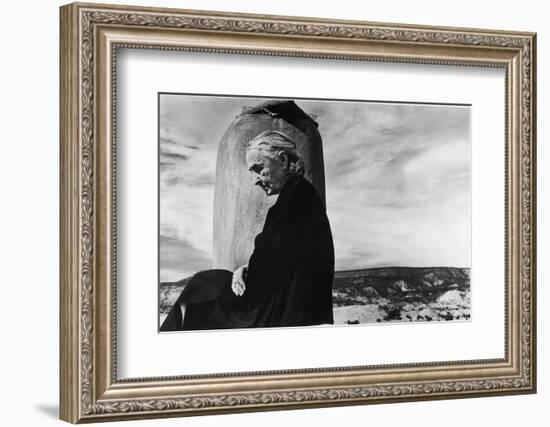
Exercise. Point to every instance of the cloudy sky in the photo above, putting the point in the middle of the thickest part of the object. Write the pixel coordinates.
(397, 180)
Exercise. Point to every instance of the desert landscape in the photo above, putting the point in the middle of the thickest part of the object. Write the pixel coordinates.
(380, 295)
(401, 294)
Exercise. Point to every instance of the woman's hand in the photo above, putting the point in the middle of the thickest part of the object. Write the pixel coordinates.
(238, 285)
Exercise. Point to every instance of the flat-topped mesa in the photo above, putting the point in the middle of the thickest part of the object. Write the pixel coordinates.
(402, 279)
(239, 206)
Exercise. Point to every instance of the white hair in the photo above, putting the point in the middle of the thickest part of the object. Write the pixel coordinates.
(274, 143)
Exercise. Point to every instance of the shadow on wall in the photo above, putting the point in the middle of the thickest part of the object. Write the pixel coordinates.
(50, 410)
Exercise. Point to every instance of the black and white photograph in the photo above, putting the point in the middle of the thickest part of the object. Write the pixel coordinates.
(277, 212)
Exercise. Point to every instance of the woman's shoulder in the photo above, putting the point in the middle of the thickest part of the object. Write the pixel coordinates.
(304, 196)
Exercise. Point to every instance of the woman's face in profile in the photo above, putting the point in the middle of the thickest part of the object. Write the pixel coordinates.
(268, 173)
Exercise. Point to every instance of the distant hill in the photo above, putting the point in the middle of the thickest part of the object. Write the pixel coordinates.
(169, 293)
(384, 294)
(397, 283)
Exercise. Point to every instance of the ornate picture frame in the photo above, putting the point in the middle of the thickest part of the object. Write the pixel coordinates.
(91, 36)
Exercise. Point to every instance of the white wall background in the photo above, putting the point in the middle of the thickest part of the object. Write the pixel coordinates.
(29, 171)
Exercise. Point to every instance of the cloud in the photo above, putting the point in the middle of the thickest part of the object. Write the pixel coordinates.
(179, 259)
(167, 156)
(190, 130)
(397, 182)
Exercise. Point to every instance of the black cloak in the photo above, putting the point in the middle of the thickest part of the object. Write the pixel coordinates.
(289, 276)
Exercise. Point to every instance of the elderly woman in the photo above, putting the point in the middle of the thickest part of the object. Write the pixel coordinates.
(288, 279)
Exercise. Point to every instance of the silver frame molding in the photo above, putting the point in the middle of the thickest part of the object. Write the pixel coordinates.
(90, 37)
